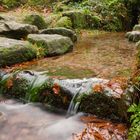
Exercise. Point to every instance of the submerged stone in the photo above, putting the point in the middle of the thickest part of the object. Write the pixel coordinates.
(15, 51)
(16, 30)
(52, 44)
(61, 31)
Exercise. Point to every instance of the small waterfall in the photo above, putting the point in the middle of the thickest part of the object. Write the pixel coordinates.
(73, 107)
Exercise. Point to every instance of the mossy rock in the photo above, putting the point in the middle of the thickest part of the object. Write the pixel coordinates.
(29, 86)
(38, 87)
(61, 31)
(52, 44)
(81, 19)
(16, 30)
(15, 51)
(37, 20)
(104, 106)
(136, 27)
(138, 54)
(52, 19)
(64, 22)
(133, 36)
(77, 17)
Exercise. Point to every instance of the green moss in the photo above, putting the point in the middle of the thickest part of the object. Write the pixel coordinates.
(36, 20)
(64, 22)
(69, 72)
(52, 19)
(13, 3)
(103, 106)
(77, 17)
(16, 54)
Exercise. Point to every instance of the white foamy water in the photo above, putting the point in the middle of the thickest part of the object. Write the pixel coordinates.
(33, 122)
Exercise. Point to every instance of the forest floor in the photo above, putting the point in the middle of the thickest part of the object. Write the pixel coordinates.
(96, 54)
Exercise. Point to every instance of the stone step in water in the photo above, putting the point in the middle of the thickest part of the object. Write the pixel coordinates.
(96, 96)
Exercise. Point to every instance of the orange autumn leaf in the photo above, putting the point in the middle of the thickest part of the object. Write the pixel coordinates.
(9, 83)
(56, 89)
(98, 88)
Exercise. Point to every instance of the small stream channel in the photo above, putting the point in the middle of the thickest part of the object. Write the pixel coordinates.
(97, 54)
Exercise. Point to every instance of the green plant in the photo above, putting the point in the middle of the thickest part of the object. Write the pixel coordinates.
(134, 131)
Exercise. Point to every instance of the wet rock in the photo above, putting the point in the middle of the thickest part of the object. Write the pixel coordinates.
(61, 31)
(15, 51)
(96, 96)
(52, 44)
(136, 27)
(37, 20)
(16, 30)
(133, 36)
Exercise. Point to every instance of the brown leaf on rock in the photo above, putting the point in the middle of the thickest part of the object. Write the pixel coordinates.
(9, 83)
(56, 89)
(98, 88)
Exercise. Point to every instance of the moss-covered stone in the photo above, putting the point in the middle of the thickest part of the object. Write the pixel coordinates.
(61, 31)
(31, 86)
(81, 19)
(104, 106)
(77, 17)
(136, 27)
(15, 51)
(64, 22)
(16, 30)
(92, 98)
(133, 36)
(36, 20)
(52, 19)
(52, 44)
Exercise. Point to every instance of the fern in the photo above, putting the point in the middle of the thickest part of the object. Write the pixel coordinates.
(134, 131)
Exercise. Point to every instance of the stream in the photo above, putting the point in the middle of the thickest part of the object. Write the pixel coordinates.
(97, 54)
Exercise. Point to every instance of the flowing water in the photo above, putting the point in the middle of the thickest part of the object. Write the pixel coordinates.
(100, 54)
(96, 54)
(33, 122)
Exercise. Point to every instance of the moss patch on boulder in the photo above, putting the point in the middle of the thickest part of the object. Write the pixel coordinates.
(64, 22)
(61, 31)
(15, 51)
(36, 20)
(52, 44)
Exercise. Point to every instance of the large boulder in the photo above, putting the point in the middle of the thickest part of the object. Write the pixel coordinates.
(37, 20)
(100, 97)
(16, 30)
(15, 51)
(61, 31)
(52, 44)
(133, 36)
